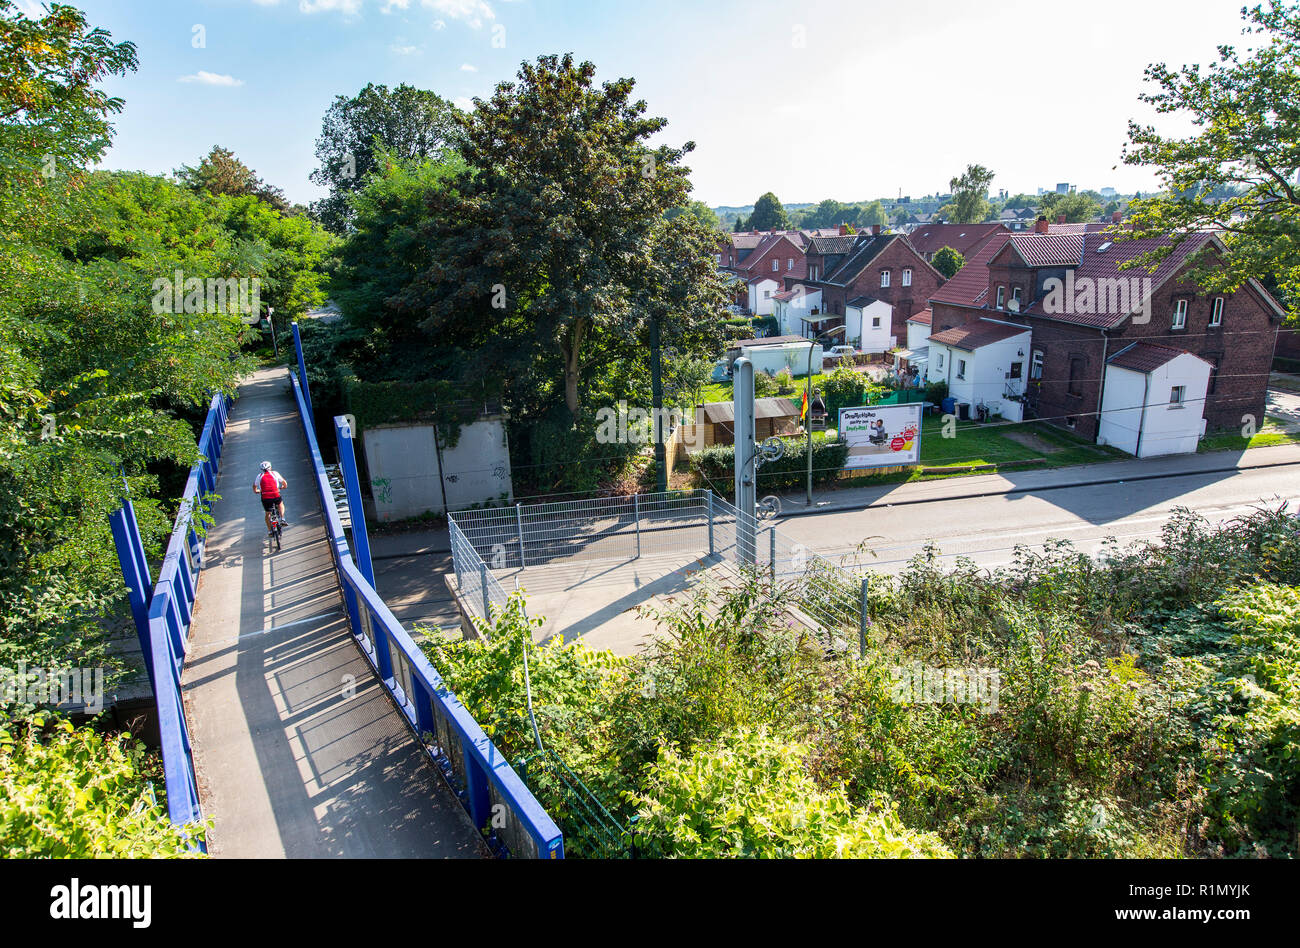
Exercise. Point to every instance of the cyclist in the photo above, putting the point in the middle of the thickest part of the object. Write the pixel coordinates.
(268, 486)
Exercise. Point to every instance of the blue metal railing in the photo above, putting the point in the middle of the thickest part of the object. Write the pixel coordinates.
(163, 610)
(477, 771)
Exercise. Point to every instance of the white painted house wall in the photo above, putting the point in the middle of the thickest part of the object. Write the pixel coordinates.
(760, 296)
(918, 336)
(861, 332)
(1137, 416)
(986, 370)
(790, 313)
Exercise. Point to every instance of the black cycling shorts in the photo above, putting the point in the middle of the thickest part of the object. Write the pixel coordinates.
(271, 503)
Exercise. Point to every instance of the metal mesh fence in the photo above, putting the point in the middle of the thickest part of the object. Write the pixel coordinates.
(628, 528)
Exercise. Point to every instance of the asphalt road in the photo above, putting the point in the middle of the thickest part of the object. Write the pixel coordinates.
(987, 529)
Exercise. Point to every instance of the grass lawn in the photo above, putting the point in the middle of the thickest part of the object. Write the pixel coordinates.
(1233, 440)
(721, 391)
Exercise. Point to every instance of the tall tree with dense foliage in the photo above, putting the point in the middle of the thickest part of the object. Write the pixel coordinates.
(970, 191)
(700, 211)
(769, 214)
(1076, 208)
(404, 123)
(543, 247)
(1246, 140)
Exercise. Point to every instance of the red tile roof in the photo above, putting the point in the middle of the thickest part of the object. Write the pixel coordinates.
(1146, 357)
(966, 239)
(970, 284)
(923, 318)
(976, 335)
(1049, 250)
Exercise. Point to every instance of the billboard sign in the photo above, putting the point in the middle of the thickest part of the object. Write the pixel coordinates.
(884, 436)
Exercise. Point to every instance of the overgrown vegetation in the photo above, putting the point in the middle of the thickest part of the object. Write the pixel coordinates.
(72, 793)
(1148, 705)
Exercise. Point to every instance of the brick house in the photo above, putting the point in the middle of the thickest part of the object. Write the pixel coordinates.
(762, 262)
(1086, 315)
(849, 276)
(966, 239)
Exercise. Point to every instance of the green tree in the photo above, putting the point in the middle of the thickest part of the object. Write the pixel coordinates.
(1246, 143)
(220, 172)
(873, 214)
(1078, 208)
(537, 255)
(948, 261)
(700, 211)
(404, 123)
(970, 194)
(769, 214)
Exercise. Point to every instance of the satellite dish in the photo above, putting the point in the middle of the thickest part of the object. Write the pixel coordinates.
(1013, 306)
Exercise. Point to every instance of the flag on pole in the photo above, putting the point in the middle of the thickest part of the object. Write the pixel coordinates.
(803, 407)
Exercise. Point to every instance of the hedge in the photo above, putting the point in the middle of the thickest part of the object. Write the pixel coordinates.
(717, 465)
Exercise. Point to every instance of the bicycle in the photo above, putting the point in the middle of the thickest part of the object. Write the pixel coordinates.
(277, 528)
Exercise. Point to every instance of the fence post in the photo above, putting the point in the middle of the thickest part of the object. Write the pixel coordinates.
(487, 600)
(708, 496)
(345, 436)
(862, 621)
(771, 536)
(636, 512)
(519, 521)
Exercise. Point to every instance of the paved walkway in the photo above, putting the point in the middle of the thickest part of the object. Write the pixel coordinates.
(299, 752)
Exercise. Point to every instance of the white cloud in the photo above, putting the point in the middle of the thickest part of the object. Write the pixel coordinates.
(472, 12)
(439, 24)
(211, 79)
(464, 103)
(30, 9)
(402, 50)
(343, 6)
(468, 68)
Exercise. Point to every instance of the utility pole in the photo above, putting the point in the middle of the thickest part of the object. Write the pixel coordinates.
(746, 433)
(657, 406)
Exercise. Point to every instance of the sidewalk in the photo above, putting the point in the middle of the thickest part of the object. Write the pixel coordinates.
(984, 485)
(299, 752)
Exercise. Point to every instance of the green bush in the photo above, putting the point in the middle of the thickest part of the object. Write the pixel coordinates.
(784, 381)
(765, 386)
(749, 796)
(72, 793)
(717, 465)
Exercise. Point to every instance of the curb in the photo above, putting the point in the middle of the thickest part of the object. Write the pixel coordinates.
(975, 495)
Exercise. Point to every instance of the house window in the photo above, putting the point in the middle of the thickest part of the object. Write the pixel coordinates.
(1216, 315)
(767, 294)
(961, 368)
(812, 273)
(1176, 396)
(875, 322)
(719, 258)
(1180, 314)
(1214, 372)
(1015, 295)
(776, 265)
(939, 364)
(907, 276)
(1002, 297)
(1036, 366)
(1076, 377)
(884, 278)
(1017, 369)
(789, 264)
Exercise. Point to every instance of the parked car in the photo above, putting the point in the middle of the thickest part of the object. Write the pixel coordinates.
(839, 352)
(721, 371)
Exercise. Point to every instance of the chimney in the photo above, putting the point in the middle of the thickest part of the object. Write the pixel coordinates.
(844, 230)
(1117, 217)
(875, 230)
(1060, 218)
(1040, 226)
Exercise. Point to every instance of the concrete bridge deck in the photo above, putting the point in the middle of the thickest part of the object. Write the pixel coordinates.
(299, 752)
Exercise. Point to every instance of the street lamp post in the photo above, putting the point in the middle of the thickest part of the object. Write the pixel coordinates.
(820, 337)
(270, 321)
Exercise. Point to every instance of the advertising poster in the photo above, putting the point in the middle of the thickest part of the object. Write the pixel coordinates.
(885, 436)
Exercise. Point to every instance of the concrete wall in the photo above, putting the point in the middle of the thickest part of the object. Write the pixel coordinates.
(406, 480)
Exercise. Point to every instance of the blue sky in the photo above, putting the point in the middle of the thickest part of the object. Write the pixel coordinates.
(849, 99)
